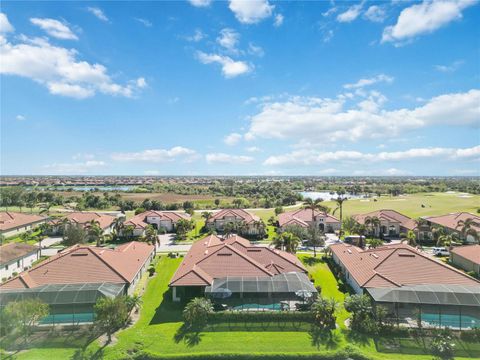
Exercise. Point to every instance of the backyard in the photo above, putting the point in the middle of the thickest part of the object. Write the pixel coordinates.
(156, 333)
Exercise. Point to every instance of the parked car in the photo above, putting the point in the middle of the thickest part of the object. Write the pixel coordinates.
(440, 251)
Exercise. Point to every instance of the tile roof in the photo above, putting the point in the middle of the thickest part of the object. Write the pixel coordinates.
(140, 221)
(387, 215)
(86, 264)
(302, 217)
(396, 265)
(12, 251)
(469, 252)
(451, 220)
(241, 214)
(212, 257)
(83, 218)
(10, 220)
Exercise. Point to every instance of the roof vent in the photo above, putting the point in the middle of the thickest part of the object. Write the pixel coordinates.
(349, 251)
(80, 254)
(254, 250)
(406, 255)
(375, 256)
(224, 254)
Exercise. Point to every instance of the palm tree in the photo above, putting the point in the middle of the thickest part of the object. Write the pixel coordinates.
(437, 232)
(206, 215)
(467, 228)
(133, 302)
(127, 231)
(25, 236)
(117, 227)
(410, 238)
(420, 223)
(339, 201)
(290, 242)
(372, 223)
(361, 230)
(314, 205)
(94, 231)
(151, 235)
(446, 240)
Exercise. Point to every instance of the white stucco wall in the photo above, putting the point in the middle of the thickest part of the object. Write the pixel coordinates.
(18, 265)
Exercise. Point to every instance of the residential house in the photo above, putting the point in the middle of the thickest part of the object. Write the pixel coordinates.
(16, 257)
(219, 219)
(450, 222)
(84, 218)
(166, 220)
(466, 257)
(392, 223)
(406, 281)
(303, 217)
(14, 223)
(73, 280)
(238, 272)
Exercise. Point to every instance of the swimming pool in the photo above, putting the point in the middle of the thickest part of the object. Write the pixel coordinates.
(67, 318)
(451, 320)
(276, 306)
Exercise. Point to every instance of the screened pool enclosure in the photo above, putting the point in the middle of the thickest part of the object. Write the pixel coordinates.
(69, 304)
(454, 306)
(278, 292)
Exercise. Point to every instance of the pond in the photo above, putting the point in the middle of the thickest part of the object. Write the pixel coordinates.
(326, 195)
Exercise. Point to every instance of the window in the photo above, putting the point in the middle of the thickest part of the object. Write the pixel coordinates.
(18, 263)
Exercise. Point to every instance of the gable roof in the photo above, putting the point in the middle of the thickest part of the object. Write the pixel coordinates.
(389, 215)
(11, 220)
(13, 251)
(451, 220)
(140, 221)
(212, 257)
(241, 214)
(469, 252)
(302, 217)
(84, 217)
(86, 264)
(396, 265)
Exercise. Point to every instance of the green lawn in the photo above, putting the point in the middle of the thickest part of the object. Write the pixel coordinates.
(154, 333)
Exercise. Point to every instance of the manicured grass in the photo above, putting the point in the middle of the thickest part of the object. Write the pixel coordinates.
(411, 205)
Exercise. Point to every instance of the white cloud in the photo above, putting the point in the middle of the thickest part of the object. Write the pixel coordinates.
(221, 158)
(54, 28)
(232, 139)
(449, 68)
(253, 149)
(370, 81)
(197, 36)
(230, 67)
(255, 50)
(351, 14)
(74, 168)
(200, 3)
(311, 119)
(328, 35)
(329, 171)
(83, 156)
(157, 155)
(229, 39)
(330, 11)
(60, 70)
(141, 83)
(252, 11)
(144, 22)
(306, 157)
(424, 18)
(5, 25)
(375, 13)
(151, 172)
(98, 13)
(278, 20)
(20, 117)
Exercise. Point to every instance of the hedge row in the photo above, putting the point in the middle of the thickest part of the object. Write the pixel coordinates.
(260, 316)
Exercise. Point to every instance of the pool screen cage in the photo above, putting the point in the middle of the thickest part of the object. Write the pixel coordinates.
(68, 304)
(434, 305)
(237, 291)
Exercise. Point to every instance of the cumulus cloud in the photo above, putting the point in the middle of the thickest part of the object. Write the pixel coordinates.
(232, 139)
(308, 157)
(253, 149)
(375, 13)
(424, 18)
(230, 68)
(5, 25)
(60, 70)
(221, 158)
(312, 119)
(200, 3)
(252, 11)
(54, 28)
(278, 20)
(20, 117)
(350, 14)
(157, 155)
(369, 81)
(449, 68)
(197, 36)
(229, 39)
(74, 168)
(98, 13)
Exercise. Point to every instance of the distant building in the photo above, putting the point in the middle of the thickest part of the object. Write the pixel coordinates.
(466, 257)
(221, 218)
(166, 220)
(450, 223)
(15, 258)
(392, 223)
(84, 218)
(303, 217)
(14, 223)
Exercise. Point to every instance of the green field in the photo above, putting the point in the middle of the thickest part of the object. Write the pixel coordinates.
(155, 332)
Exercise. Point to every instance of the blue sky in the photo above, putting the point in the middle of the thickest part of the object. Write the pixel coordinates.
(240, 88)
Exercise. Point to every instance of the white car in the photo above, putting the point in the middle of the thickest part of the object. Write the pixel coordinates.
(440, 251)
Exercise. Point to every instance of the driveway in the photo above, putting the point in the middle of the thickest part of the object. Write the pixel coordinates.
(168, 245)
(49, 241)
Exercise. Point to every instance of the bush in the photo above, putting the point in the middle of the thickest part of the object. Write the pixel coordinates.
(259, 317)
(151, 270)
(443, 345)
(471, 335)
(196, 313)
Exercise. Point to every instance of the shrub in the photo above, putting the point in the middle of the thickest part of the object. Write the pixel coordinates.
(151, 270)
(471, 335)
(196, 312)
(443, 345)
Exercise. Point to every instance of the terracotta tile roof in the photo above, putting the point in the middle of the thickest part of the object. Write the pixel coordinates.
(10, 220)
(212, 258)
(12, 251)
(83, 218)
(451, 220)
(396, 265)
(86, 264)
(239, 214)
(302, 217)
(388, 215)
(140, 221)
(469, 252)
